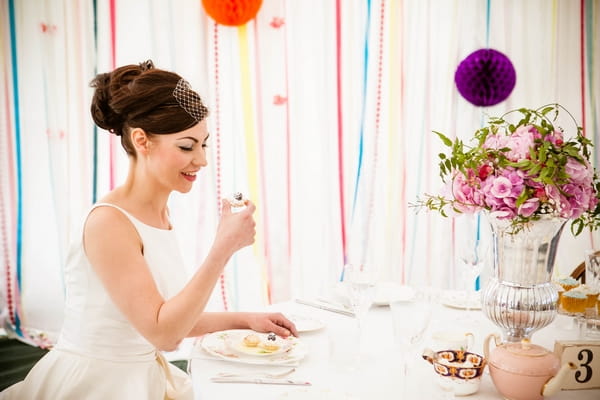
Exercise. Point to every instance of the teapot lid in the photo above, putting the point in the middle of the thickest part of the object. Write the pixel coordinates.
(525, 358)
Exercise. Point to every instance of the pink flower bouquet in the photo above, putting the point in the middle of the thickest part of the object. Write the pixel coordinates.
(520, 172)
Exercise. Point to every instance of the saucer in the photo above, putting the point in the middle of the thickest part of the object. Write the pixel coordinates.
(457, 299)
(306, 324)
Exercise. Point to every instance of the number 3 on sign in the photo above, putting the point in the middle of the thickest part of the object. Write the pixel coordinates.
(586, 357)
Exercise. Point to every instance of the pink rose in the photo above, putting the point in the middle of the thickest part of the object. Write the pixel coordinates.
(501, 187)
(529, 207)
(578, 172)
(521, 141)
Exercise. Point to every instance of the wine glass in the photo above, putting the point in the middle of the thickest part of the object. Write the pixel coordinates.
(360, 288)
(471, 256)
(410, 317)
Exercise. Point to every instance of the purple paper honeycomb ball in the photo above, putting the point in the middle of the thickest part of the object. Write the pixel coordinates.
(486, 77)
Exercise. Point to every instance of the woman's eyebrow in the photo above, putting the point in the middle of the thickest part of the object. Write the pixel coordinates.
(188, 137)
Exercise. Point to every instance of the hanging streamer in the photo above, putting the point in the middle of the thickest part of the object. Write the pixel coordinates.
(478, 230)
(582, 61)
(371, 193)
(113, 64)
(340, 132)
(363, 108)
(218, 144)
(95, 128)
(267, 274)
(250, 134)
(423, 155)
(395, 141)
(588, 37)
(288, 152)
(18, 164)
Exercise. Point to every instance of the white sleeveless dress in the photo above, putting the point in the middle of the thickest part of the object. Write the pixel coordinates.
(99, 355)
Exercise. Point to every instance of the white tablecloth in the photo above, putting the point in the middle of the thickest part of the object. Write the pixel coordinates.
(377, 375)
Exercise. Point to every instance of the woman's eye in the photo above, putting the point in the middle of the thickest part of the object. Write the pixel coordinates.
(204, 145)
(186, 148)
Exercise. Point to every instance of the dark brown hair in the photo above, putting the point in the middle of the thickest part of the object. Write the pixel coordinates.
(139, 96)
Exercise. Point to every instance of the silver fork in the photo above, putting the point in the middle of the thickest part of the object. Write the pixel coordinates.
(254, 374)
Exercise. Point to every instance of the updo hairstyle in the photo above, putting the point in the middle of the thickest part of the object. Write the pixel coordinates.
(141, 96)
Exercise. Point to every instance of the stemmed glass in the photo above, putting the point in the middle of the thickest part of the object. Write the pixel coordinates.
(472, 253)
(360, 289)
(410, 316)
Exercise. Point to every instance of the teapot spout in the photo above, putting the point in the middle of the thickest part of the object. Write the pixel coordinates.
(555, 383)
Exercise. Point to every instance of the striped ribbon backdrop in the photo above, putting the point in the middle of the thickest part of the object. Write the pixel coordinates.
(321, 113)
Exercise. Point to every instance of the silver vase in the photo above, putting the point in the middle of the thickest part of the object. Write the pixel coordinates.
(520, 297)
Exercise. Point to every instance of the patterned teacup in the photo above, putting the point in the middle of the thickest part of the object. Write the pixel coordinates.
(457, 370)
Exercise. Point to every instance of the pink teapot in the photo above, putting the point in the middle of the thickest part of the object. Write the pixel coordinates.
(524, 371)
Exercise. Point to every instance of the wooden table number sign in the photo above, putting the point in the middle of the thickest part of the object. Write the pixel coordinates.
(585, 354)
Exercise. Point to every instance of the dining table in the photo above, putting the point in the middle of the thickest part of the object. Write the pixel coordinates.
(345, 361)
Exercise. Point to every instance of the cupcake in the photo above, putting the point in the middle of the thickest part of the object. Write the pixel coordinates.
(574, 301)
(568, 283)
(591, 293)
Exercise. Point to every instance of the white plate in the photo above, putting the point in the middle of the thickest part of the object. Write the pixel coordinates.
(235, 342)
(306, 324)
(215, 344)
(457, 299)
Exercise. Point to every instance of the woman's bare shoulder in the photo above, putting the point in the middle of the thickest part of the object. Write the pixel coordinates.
(105, 221)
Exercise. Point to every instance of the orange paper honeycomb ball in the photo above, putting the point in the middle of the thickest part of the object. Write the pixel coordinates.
(232, 12)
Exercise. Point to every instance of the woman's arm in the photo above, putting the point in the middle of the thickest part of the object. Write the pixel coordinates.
(260, 322)
(115, 251)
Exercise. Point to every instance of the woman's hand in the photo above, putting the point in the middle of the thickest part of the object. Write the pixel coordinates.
(236, 230)
(272, 322)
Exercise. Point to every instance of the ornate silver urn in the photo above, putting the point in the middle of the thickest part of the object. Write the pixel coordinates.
(520, 297)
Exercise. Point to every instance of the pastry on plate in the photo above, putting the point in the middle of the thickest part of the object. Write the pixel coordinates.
(251, 340)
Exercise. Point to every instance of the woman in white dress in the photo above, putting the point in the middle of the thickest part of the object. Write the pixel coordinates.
(127, 296)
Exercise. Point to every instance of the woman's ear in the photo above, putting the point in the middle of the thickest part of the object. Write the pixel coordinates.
(140, 140)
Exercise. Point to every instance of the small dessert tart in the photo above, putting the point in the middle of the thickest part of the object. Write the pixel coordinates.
(272, 343)
(237, 200)
(251, 340)
(269, 346)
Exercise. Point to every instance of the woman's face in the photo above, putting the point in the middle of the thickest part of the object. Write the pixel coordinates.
(175, 159)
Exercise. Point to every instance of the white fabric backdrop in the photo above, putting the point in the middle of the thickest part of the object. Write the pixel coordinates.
(276, 129)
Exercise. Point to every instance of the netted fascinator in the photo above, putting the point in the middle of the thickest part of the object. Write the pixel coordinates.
(189, 100)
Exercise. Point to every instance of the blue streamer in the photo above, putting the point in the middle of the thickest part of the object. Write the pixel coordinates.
(95, 131)
(487, 24)
(478, 232)
(362, 116)
(15, 81)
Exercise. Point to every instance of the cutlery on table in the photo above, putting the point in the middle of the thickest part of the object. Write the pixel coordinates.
(256, 375)
(272, 378)
(326, 307)
(268, 381)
